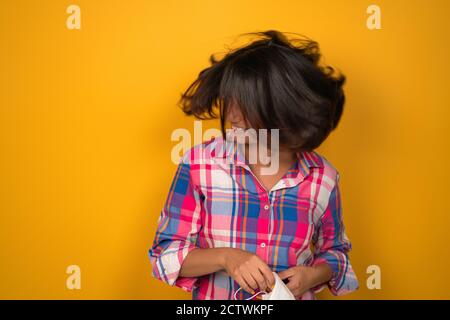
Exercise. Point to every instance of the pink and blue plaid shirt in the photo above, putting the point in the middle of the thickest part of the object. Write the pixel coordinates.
(216, 201)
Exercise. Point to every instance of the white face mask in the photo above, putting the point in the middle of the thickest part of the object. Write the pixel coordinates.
(279, 292)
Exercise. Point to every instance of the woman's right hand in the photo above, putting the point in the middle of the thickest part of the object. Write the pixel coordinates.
(248, 270)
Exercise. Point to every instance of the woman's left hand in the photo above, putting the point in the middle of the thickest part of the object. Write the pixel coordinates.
(303, 278)
(299, 279)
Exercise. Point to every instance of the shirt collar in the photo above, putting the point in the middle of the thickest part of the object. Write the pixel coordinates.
(234, 154)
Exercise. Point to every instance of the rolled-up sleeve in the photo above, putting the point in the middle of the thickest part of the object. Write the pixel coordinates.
(178, 226)
(331, 246)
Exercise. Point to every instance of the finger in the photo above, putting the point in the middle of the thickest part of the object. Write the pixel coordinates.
(243, 283)
(292, 285)
(250, 280)
(286, 273)
(267, 273)
(260, 280)
(296, 294)
(294, 289)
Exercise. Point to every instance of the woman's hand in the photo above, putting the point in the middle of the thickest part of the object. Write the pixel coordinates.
(303, 278)
(248, 270)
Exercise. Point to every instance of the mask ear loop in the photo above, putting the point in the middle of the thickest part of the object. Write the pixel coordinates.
(250, 297)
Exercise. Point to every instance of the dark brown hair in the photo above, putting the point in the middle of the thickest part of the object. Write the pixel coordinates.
(277, 83)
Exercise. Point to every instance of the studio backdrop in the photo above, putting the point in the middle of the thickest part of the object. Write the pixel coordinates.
(88, 106)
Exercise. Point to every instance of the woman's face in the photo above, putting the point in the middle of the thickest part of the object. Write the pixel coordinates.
(236, 118)
(240, 127)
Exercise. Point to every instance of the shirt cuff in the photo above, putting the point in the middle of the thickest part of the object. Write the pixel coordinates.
(166, 266)
(343, 278)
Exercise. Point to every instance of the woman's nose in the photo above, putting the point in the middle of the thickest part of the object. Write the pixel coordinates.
(234, 117)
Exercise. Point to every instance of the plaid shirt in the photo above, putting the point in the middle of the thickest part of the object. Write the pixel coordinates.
(216, 201)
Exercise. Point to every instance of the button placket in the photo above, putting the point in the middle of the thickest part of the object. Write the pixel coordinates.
(267, 208)
(266, 212)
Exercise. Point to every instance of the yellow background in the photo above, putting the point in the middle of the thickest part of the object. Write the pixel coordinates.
(86, 118)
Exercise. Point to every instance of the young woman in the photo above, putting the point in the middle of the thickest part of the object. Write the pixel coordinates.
(225, 225)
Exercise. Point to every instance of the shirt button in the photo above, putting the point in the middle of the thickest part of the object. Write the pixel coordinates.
(263, 245)
(266, 207)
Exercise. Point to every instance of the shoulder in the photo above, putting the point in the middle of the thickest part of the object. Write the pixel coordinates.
(199, 161)
(325, 170)
(204, 152)
(327, 177)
